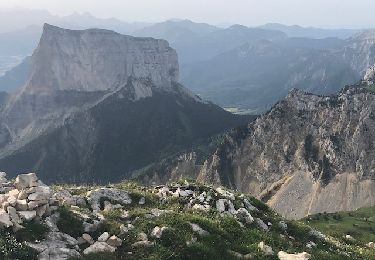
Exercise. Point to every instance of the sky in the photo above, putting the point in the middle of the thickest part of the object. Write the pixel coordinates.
(318, 13)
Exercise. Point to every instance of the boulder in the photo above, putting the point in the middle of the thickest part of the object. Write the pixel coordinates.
(88, 238)
(103, 237)
(196, 228)
(120, 196)
(142, 201)
(21, 205)
(243, 215)
(220, 205)
(24, 181)
(114, 241)
(267, 250)
(261, 224)
(27, 215)
(98, 247)
(5, 219)
(301, 256)
(157, 232)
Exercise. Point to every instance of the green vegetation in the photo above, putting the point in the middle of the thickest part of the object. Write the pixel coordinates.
(32, 231)
(371, 87)
(10, 248)
(360, 224)
(69, 223)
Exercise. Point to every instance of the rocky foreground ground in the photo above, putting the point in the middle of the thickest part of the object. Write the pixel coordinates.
(177, 221)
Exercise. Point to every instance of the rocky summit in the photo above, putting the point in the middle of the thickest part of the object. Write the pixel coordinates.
(177, 221)
(314, 150)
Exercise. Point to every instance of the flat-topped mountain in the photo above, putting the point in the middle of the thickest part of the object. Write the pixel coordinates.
(100, 104)
(92, 60)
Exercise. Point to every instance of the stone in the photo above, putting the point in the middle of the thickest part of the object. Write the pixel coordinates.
(24, 181)
(39, 196)
(22, 195)
(226, 194)
(13, 215)
(157, 232)
(112, 194)
(27, 215)
(301, 256)
(143, 244)
(220, 205)
(21, 205)
(56, 246)
(142, 237)
(125, 214)
(37, 203)
(40, 211)
(370, 245)
(284, 227)
(5, 219)
(261, 224)
(243, 215)
(88, 238)
(196, 228)
(142, 201)
(349, 237)
(267, 250)
(114, 241)
(13, 193)
(98, 247)
(103, 237)
(310, 245)
(248, 205)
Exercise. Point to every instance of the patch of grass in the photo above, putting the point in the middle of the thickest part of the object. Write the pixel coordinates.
(360, 224)
(31, 232)
(10, 248)
(69, 223)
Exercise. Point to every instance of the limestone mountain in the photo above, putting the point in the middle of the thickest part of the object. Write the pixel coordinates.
(100, 104)
(308, 154)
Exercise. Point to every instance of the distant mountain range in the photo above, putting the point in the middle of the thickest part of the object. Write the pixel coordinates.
(228, 66)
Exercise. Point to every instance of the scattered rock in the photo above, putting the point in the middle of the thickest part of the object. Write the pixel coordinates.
(142, 201)
(88, 238)
(98, 247)
(157, 232)
(301, 256)
(114, 241)
(120, 196)
(267, 250)
(103, 237)
(243, 215)
(196, 228)
(24, 181)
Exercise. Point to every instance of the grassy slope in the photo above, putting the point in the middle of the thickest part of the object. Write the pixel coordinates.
(360, 224)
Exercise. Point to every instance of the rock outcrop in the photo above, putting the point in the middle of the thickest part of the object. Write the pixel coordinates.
(308, 154)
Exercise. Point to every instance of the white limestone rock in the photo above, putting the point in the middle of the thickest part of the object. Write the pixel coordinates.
(120, 196)
(301, 256)
(98, 247)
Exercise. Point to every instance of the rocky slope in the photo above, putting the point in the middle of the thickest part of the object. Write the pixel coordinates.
(126, 221)
(308, 154)
(101, 104)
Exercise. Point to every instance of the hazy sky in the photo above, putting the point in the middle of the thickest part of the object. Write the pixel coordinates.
(323, 13)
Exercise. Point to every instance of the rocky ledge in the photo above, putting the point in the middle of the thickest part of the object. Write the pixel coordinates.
(177, 221)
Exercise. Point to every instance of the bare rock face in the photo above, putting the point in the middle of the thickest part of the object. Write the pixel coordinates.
(309, 154)
(93, 60)
(71, 68)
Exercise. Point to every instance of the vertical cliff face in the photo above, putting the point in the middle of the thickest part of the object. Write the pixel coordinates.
(70, 69)
(93, 60)
(309, 154)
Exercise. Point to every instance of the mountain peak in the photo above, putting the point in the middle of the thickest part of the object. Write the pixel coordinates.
(96, 59)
